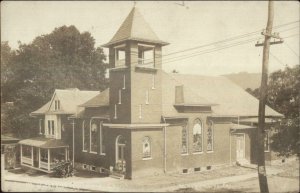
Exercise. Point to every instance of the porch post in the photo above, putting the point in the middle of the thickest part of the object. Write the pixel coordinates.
(21, 148)
(49, 160)
(31, 155)
(39, 157)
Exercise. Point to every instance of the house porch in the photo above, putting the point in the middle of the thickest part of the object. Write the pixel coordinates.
(43, 154)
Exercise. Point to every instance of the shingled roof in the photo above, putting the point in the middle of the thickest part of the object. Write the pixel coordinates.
(135, 28)
(69, 100)
(100, 100)
(231, 99)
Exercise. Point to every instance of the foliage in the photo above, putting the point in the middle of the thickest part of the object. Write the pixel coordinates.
(63, 169)
(284, 97)
(62, 59)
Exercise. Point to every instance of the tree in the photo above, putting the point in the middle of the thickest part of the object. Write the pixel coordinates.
(284, 97)
(62, 59)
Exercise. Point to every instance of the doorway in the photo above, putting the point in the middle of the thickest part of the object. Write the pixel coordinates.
(120, 154)
(240, 147)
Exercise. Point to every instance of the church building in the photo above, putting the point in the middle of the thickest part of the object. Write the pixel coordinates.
(148, 122)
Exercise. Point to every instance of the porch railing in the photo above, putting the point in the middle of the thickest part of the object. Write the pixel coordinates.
(52, 165)
(146, 63)
(26, 160)
(44, 165)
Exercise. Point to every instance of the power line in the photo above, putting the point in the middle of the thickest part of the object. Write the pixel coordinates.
(208, 51)
(232, 38)
(287, 45)
(278, 60)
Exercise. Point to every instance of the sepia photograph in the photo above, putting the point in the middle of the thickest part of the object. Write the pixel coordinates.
(150, 96)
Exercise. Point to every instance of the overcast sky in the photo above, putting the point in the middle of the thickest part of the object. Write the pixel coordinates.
(184, 27)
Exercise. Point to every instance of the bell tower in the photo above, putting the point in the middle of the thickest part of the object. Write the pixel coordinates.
(135, 54)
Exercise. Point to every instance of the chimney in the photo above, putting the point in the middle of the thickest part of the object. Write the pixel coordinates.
(179, 97)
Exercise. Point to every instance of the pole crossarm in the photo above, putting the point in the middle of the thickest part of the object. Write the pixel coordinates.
(271, 43)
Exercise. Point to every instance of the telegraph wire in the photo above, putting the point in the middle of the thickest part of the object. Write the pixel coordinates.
(233, 38)
(212, 50)
(292, 50)
(209, 50)
(278, 60)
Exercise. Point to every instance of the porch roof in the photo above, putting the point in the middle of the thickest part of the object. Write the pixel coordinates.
(239, 126)
(43, 142)
(255, 120)
(135, 126)
(8, 140)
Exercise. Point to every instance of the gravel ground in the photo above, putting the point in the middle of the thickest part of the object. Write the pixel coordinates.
(286, 179)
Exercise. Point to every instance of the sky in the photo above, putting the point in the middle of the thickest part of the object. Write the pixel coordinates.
(195, 24)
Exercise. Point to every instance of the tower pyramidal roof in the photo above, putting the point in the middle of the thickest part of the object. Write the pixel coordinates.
(135, 28)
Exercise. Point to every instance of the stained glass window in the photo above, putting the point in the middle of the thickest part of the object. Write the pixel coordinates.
(85, 136)
(184, 140)
(94, 125)
(210, 136)
(197, 136)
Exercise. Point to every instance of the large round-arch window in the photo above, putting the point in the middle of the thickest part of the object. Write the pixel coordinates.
(197, 136)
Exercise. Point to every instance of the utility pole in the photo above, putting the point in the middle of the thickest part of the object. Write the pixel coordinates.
(261, 168)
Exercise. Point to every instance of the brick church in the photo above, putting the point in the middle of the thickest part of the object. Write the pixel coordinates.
(148, 122)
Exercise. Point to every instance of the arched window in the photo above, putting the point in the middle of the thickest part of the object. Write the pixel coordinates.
(197, 136)
(85, 136)
(120, 153)
(210, 136)
(146, 147)
(184, 140)
(94, 127)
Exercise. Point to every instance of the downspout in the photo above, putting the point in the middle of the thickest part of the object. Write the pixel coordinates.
(230, 156)
(73, 140)
(165, 147)
(73, 154)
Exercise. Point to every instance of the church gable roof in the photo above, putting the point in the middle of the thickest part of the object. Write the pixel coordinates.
(69, 100)
(99, 100)
(229, 97)
(135, 28)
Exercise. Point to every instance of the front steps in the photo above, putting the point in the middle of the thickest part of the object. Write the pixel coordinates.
(117, 175)
(245, 163)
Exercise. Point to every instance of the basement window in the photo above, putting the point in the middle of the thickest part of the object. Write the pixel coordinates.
(197, 169)
(93, 168)
(208, 167)
(102, 170)
(85, 166)
(185, 171)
